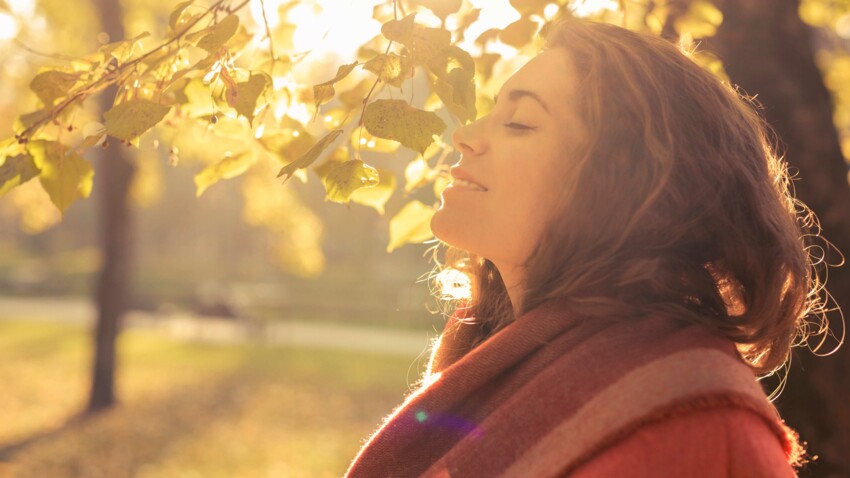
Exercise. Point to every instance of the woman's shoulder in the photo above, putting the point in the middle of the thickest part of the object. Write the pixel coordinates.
(715, 442)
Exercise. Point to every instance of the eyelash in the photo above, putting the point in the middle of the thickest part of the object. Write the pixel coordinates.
(518, 126)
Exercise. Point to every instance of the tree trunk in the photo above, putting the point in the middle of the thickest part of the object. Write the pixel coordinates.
(767, 50)
(115, 175)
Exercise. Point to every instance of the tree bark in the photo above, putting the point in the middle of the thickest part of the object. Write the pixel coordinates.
(767, 50)
(115, 175)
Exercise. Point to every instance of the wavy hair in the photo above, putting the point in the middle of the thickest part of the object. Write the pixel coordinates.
(678, 203)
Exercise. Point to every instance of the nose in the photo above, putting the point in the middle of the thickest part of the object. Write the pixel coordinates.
(469, 139)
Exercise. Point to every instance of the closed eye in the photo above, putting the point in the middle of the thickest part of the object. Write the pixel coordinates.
(519, 126)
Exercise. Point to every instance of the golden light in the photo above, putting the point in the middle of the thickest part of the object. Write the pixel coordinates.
(586, 8)
(454, 284)
(8, 27)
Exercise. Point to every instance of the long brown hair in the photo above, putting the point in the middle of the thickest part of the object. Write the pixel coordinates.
(676, 203)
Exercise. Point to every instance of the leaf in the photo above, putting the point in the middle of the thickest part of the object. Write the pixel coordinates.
(130, 119)
(363, 140)
(442, 8)
(530, 7)
(519, 33)
(219, 34)
(65, 175)
(396, 120)
(248, 92)
(377, 196)
(16, 170)
(324, 92)
(455, 87)
(227, 168)
(94, 133)
(310, 156)
(416, 174)
(391, 69)
(701, 20)
(423, 42)
(343, 178)
(121, 50)
(411, 225)
(174, 18)
(51, 85)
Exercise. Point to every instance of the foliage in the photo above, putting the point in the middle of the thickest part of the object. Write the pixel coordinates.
(237, 79)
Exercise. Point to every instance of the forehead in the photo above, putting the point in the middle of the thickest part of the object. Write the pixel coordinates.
(549, 74)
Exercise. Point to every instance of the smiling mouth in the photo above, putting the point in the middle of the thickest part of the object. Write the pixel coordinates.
(468, 185)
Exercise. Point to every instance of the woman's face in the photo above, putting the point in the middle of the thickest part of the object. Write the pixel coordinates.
(517, 152)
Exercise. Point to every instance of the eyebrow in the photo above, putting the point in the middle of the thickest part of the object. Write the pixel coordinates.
(517, 94)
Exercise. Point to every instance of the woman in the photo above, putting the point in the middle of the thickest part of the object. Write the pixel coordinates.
(636, 260)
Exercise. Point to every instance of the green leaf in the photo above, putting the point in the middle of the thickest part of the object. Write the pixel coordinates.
(65, 175)
(16, 170)
(377, 196)
(51, 85)
(396, 120)
(248, 92)
(519, 33)
(324, 92)
(130, 119)
(345, 177)
(411, 225)
(310, 156)
(174, 18)
(227, 168)
(219, 34)
(392, 69)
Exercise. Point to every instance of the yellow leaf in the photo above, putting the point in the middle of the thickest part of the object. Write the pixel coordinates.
(343, 178)
(310, 156)
(130, 119)
(65, 176)
(174, 18)
(519, 33)
(16, 170)
(416, 174)
(391, 69)
(324, 92)
(442, 8)
(700, 21)
(397, 120)
(219, 34)
(377, 196)
(411, 225)
(528, 7)
(362, 140)
(227, 168)
(248, 92)
(52, 84)
(122, 50)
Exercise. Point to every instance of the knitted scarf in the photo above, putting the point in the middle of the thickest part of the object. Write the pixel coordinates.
(550, 391)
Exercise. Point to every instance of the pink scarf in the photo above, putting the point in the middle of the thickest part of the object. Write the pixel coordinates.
(550, 391)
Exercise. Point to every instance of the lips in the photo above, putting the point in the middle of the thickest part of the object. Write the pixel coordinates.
(463, 178)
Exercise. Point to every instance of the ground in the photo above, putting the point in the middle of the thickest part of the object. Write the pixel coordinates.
(188, 409)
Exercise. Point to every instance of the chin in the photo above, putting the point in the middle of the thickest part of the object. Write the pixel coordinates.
(450, 229)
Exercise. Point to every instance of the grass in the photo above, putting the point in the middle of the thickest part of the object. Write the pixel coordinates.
(188, 410)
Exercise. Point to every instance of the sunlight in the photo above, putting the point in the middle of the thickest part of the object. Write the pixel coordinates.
(454, 284)
(325, 26)
(8, 27)
(585, 8)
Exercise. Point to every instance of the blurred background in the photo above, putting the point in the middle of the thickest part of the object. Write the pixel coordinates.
(262, 330)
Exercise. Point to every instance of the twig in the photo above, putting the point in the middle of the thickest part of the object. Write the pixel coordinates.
(268, 31)
(378, 79)
(115, 75)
